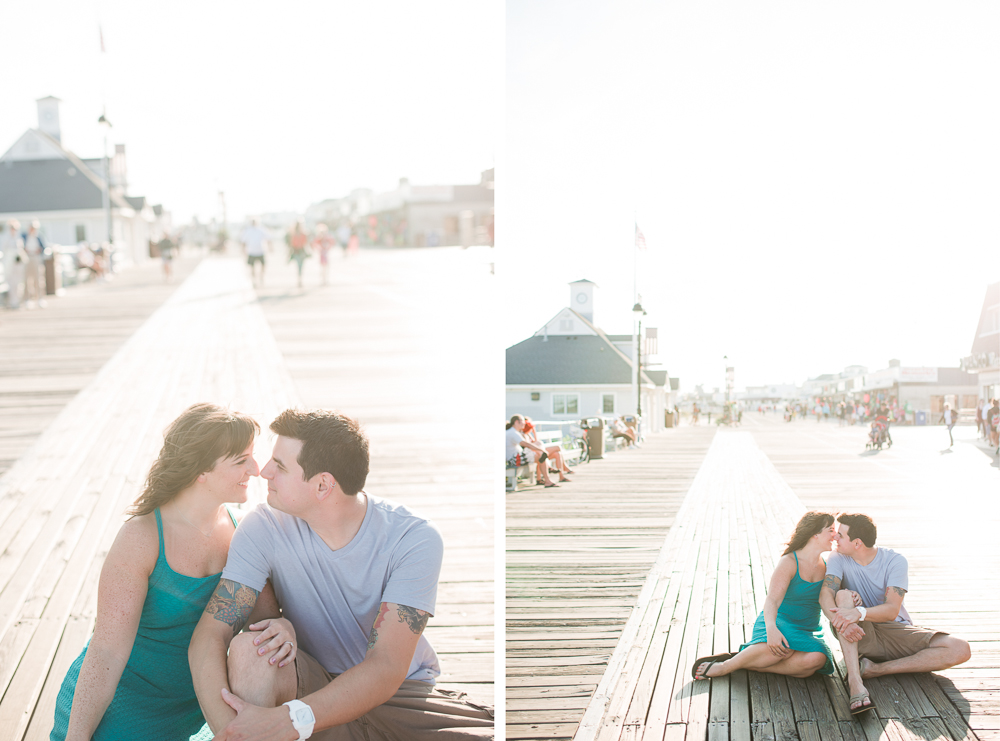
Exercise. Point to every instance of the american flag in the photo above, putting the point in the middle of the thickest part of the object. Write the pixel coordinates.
(640, 240)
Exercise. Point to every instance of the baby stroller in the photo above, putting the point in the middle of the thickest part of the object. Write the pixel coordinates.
(879, 434)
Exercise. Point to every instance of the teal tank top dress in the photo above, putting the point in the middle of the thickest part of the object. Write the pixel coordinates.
(798, 619)
(155, 697)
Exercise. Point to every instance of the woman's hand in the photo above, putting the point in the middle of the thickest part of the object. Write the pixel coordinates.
(777, 644)
(277, 638)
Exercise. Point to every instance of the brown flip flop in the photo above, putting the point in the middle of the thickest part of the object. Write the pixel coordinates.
(711, 660)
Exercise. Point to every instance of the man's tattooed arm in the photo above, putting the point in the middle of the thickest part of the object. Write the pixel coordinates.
(414, 620)
(832, 583)
(232, 604)
(898, 590)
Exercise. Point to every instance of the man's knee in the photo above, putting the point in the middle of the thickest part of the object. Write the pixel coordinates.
(252, 677)
(242, 653)
(959, 650)
(845, 598)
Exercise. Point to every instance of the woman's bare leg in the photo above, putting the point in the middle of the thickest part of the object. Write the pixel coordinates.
(759, 658)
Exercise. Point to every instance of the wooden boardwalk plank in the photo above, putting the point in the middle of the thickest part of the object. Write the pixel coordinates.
(579, 572)
(720, 590)
(62, 499)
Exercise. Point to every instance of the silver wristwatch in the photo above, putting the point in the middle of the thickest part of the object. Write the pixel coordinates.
(302, 718)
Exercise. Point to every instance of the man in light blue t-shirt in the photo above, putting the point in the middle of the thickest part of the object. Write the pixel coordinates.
(356, 578)
(862, 596)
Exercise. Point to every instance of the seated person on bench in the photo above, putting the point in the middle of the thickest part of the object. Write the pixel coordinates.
(620, 429)
(554, 451)
(515, 442)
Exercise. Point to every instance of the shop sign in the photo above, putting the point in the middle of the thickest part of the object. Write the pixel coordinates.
(918, 375)
(980, 360)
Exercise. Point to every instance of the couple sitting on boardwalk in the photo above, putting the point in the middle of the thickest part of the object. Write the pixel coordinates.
(334, 587)
(860, 589)
(521, 436)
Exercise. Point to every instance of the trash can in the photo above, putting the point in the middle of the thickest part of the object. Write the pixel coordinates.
(921, 418)
(668, 418)
(52, 277)
(594, 427)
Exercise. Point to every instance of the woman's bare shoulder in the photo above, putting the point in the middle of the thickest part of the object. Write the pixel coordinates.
(137, 543)
(786, 563)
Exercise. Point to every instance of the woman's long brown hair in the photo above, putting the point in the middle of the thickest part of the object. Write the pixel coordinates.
(810, 524)
(192, 445)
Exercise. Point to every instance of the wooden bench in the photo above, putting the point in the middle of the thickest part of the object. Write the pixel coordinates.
(516, 473)
(570, 453)
(702, 597)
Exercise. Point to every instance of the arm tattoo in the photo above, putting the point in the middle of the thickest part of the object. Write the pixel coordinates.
(898, 590)
(832, 583)
(383, 610)
(232, 603)
(416, 619)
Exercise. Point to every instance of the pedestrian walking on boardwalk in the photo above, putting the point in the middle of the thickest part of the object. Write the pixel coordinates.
(14, 257)
(949, 417)
(787, 637)
(34, 268)
(993, 424)
(167, 247)
(298, 241)
(253, 239)
(323, 243)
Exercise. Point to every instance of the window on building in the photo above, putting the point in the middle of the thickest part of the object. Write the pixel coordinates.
(565, 403)
(609, 404)
(81, 233)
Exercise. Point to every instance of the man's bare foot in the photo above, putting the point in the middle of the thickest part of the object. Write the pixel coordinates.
(865, 666)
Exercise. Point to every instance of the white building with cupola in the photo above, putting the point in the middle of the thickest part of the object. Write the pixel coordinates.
(570, 370)
(41, 179)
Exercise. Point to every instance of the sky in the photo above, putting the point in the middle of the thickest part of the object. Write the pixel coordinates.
(278, 105)
(816, 182)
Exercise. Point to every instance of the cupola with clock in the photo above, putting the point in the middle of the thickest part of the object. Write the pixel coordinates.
(581, 298)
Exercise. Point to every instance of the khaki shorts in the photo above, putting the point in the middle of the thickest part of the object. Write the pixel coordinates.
(887, 641)
(417, 711)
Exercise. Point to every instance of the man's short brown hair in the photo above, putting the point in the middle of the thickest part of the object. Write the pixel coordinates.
(331, 443)
(859, 526)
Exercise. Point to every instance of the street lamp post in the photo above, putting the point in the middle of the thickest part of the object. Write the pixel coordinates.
(637, 313)
(106, 125)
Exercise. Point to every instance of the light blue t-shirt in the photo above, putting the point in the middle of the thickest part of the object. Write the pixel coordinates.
(332, 597)
(887, 569)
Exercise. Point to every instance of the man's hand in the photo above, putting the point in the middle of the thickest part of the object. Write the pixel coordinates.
(844, 616)
(853, 633)
(253, 723)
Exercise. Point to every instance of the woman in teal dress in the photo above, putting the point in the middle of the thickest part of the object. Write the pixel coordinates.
(132, 679)
(787, 638)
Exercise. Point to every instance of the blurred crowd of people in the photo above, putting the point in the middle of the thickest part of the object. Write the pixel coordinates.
(301, 246)
(23, 254)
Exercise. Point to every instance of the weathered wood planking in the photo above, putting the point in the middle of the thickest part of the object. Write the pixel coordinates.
(370, 343)
(210, 340)
(574, 572)
(939, 508)
(729, 531)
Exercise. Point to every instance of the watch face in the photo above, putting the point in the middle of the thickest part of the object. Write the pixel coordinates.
(303, 715)
(581, 298)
